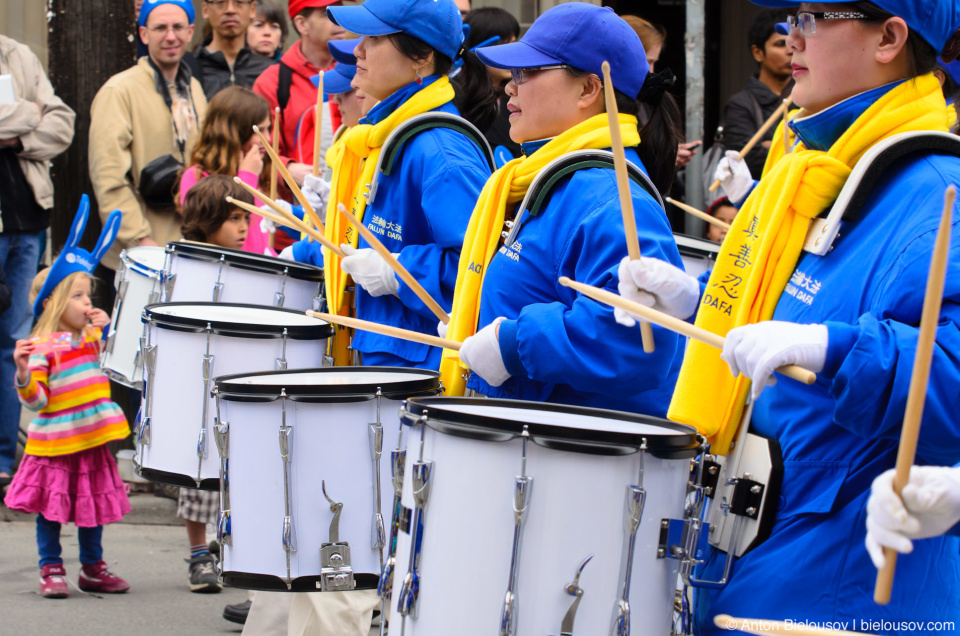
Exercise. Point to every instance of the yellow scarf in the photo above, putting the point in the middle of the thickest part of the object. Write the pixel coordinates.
(353, 161)
(506, 187)
(762, 248)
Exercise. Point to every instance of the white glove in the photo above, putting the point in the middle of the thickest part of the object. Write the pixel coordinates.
(756, 350)
(481, 354)
(441, 329)
(317, 191)
(287, 253)
(734, 175)
(369, 270)
(655, 283)
(930, 507)
(266, 225)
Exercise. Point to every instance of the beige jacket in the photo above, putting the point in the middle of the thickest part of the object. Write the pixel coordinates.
(39, 118)
(130, 126)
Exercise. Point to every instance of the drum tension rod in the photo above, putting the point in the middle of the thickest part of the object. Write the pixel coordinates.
(421, 477)
(636, 498)
(523, 487)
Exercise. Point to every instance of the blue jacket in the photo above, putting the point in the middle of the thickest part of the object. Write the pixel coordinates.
(420, 211)
(840, 433)
(308, 251)
(562, 347)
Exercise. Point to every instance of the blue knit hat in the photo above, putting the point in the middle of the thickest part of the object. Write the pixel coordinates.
(149, 5)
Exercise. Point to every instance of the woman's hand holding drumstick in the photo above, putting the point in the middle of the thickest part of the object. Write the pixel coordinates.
(623, 188)
(689, 209)
(774, 118)
(288, 178)
(401, 271)
(674, 324)
(387, 330)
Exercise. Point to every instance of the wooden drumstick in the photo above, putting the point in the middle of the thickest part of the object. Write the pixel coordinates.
(909, 434)
(764, 627)
(276, 150)
(689, 209)
(318, 130)
(623, 188)
(777, 114)
(291, 221)
(387, 330)
(401, 271)
(288, 178)
(675, 324)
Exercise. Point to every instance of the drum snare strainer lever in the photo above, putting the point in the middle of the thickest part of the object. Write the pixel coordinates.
(574, 590)
(336, 574)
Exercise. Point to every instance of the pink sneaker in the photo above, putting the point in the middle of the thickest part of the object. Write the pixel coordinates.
(96, 577)
(53, 581)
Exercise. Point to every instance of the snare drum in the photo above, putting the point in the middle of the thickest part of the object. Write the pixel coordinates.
(196, 272)
(505, 500)
(305, 457)
(139, 281)
(698, 255)
(185, 345)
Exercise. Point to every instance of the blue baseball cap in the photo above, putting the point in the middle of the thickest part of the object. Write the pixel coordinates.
(933, 20)
(580, 35)
(436, 22)
(342, 50)
(74, 258)
(149, 5)
(336, 80)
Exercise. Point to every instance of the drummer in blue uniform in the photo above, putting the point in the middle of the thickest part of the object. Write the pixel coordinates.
(526, 336)
(864, 71)
(420, 210)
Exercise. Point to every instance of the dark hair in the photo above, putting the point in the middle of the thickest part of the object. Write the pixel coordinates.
(206, 209)
(762, 27)
(489, 22)
(271, 11)
(922, 56)
(661, 135)
(476, 97)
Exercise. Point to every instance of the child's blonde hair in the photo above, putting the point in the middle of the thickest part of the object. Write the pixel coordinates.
(49, 321)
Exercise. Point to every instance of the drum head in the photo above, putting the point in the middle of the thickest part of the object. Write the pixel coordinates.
(334, 384)
(572, 428)
(244, 321)
(246, 260)
(146, 257)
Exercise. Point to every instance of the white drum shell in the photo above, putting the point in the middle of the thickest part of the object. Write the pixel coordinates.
(577, 508)
(177, 391)
(330, 443)
(195, 281)
(698, 255)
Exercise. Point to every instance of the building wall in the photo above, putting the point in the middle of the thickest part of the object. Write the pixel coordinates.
(26, 21)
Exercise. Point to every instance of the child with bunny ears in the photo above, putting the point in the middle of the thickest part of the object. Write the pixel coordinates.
(67, 473)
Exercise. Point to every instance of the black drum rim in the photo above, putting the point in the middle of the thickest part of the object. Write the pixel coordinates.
(400, 389)
(319, 331)
(246, 260)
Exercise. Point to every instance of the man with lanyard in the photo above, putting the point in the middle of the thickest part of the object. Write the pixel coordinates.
(148, 112)
(227, 61)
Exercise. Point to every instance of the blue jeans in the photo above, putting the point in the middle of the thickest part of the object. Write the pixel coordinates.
(48, 542)
(19, 256)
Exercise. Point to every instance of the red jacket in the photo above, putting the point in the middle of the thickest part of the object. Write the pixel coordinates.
(303, 98)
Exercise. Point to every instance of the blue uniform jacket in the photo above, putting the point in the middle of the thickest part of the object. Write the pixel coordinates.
(421, 211)
(562, 347)
(840, 433)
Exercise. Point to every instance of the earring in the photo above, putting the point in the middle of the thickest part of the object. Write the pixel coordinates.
(419, 78)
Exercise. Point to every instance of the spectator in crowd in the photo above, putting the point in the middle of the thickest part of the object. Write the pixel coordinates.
(289, 84)
(226, 60)
(144, 122)
(722, 210)
(464, 6)
(34, 128)
(268, 31)
(746, 111)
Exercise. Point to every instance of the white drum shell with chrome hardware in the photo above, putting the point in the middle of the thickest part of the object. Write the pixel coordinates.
(577, 508)
(138, 282)
(176, 386)
(698, 255)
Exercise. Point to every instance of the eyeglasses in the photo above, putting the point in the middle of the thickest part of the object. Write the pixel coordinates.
(221, 4)
(521, 75)
(807, 20)
(162, 29)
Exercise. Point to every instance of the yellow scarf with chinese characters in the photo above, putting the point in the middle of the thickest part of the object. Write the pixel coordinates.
(353, 161)
(507, 187)
(761, 250)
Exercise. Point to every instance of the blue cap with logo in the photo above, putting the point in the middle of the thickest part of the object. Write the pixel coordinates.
(149, 5)
(580, 35)
(336, 80)
(933, 20)
(342, 50)
(436, 22)
(74, 258)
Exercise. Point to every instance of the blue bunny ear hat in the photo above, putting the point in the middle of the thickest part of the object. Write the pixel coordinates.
(74, 258)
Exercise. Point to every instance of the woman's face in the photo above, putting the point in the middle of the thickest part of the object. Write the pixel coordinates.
(382, 69)
(254, 140)
(653, 55)
(549, 103)
(725, 213)
(349, 106)
(263, 37)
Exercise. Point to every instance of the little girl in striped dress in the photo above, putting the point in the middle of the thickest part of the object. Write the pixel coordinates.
(67, 474)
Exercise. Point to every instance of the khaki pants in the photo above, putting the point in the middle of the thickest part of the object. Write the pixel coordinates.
(311, 614)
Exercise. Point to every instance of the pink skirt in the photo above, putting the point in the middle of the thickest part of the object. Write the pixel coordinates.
(82, 488)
